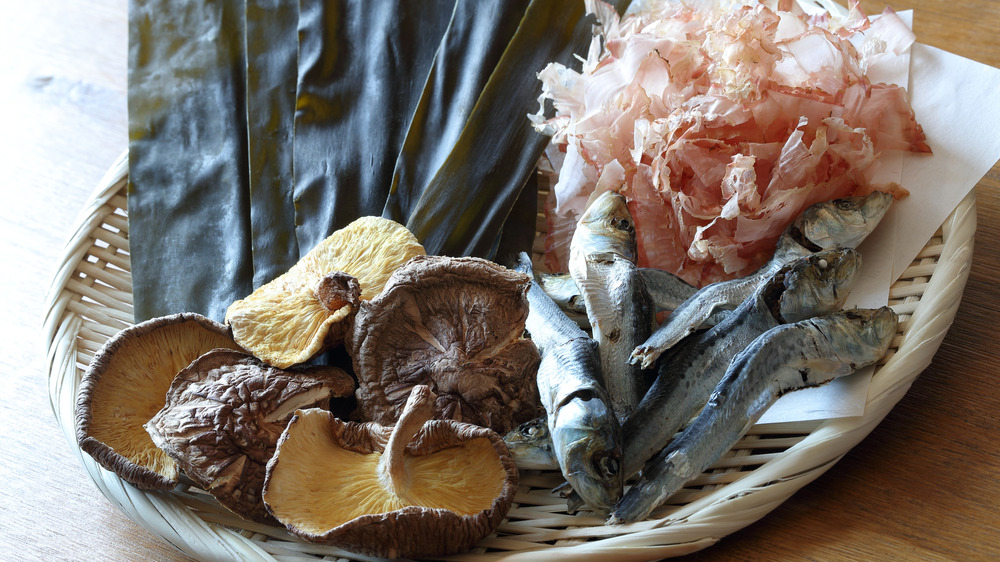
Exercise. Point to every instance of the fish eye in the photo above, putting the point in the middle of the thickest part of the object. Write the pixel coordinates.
(534, 431)
(845, 204)
(823, 264)
(607, 466)
(623, 224)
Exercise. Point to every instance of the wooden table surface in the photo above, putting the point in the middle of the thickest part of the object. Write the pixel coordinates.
(923, 485)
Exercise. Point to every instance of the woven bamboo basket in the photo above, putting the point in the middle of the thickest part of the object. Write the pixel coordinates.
(90, 300)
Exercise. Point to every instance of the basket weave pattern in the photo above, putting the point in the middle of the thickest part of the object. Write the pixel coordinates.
(90, 300)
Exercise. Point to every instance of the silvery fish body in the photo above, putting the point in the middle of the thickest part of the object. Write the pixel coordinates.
(666, 291)
(783, 359)
(812, 285)
(839, 223)
(563, 291)
(585, 434)
(619, 308)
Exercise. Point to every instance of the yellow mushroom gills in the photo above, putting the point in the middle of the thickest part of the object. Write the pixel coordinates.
(224, 414)
(126, 384)
(419, 488)
(309, 308)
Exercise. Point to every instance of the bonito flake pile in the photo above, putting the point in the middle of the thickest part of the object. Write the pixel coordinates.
(720, 122)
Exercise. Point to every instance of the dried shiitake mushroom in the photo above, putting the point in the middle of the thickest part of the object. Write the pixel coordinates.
(420, 488)
(126, 384)
(308, 308)
(224, 414)
(457, 325)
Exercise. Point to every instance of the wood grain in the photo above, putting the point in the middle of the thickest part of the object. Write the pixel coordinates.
(921, 486)
(63, 115)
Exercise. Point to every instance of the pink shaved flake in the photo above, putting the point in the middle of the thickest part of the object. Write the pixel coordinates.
(721, 125)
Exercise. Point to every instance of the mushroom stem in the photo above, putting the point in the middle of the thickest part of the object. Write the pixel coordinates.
(337, 289)
(392, 465)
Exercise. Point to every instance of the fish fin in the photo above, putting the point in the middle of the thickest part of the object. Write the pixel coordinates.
(573, 500)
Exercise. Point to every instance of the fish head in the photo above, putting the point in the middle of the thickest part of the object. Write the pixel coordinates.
(841, 223)
(860, 336)
(586, 437)
(531, 445)
(818, 283)
(606, 227)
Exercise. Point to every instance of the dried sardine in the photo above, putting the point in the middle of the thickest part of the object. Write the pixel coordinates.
(809, 286)
(666, 291)
(785, 358)
(839, 223)
(619, 309)
(530, 445)
(563, 291)
(585, 433)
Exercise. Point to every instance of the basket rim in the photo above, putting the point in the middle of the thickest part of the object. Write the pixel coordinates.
(692, 527)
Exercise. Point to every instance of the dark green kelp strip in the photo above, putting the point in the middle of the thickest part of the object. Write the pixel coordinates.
(258, 127)
(362, 68)
(463, 209)
(469, 52)
(189, 219)
(518, 232)
(272, 68)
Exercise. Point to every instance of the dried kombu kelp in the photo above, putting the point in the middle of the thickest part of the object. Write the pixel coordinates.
(456, 80)
(188, 204)
(362, 66)
(462, 210)
(519, 230)
(272, 56)
(415, 111)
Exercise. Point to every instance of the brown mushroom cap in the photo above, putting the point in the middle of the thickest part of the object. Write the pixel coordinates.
(457, 325)
(309, 308)
(383, 491)
(224, 414)
(126, 384)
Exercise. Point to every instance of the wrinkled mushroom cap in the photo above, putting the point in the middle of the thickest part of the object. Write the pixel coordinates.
(224, 414)
(126, 384)
(324, 483)
(456, 325)
(309, 308)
